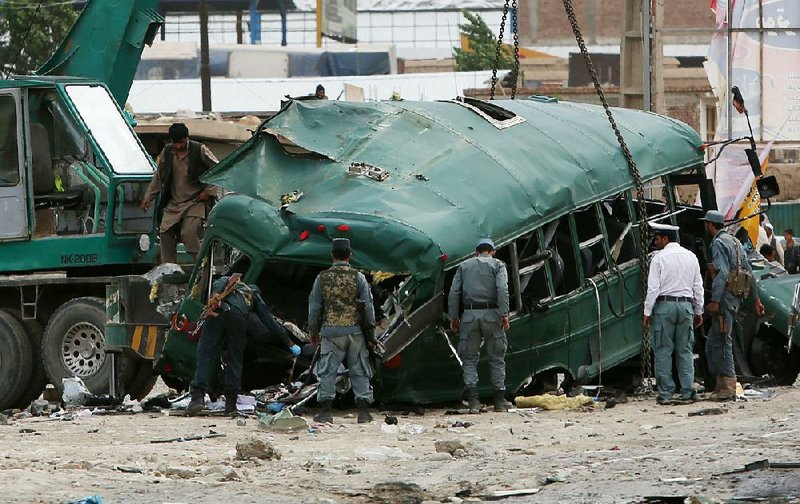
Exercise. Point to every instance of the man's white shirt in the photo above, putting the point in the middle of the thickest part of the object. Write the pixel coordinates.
(674, 271)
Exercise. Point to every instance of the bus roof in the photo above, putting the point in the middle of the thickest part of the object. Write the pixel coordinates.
(453, 175)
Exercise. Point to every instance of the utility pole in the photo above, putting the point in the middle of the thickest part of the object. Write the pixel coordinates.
(633, 60)
(319, 23)
(657, 74)
(205, 71)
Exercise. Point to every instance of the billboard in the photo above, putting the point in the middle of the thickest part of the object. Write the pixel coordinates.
(339, 20)
(761, 41)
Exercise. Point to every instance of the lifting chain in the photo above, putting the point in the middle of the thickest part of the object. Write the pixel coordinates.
(498, 48)
(515, 70)
(647, 364)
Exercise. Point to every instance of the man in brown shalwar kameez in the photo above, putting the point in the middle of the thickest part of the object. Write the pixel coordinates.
(184, 199)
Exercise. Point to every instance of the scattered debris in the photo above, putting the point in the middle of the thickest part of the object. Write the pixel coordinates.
(241, 422)
(3, 419)
(353, 471)
(450, 446)
(210, 435)
(554, 479)
(94, 499)
(283, 421)
(27, 431)
(412, 429)
(390, 420)
(398, 492)
(680, 480)
(459, 423)
(380, 453)
(708, 411)
(552, 402)
(256, 448)
(764, 464)
(502, 494)
(129, 469)
(389, 428)
(74, 391)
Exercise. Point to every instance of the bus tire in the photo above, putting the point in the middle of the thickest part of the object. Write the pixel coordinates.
(74, 344)
(16, 358)
(38, 380)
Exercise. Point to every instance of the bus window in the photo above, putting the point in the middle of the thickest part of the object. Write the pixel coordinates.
(619, 228)
(566, 277)
(533, 279)
(591, 242)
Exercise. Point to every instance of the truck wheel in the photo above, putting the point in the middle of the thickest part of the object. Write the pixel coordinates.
(15, 360)
(768, 355)
(74, 344)
(143, 381)
(38, 380)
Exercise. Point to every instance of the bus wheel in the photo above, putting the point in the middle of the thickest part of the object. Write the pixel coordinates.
(74, 344)
(768, 355)
(143, 381)
(38, 380)
(16, 358)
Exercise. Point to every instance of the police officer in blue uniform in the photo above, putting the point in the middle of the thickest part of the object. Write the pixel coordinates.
(480, 289)
(227, 325)
(727, 254)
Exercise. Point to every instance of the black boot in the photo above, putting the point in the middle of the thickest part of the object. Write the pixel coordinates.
(363, 411)
(324, 415)
(500, 403)
(473, 402)
(230, 403)
(197, 403)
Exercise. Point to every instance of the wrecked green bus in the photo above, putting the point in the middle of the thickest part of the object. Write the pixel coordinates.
(414, 185)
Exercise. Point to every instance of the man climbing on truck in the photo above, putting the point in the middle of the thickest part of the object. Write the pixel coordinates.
(185, 200)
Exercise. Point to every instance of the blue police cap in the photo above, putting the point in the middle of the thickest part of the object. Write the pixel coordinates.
(340, 244)
(485, 241)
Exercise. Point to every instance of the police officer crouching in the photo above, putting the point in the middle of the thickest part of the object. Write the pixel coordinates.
(333, 320)
(480, 287)
(226, 323)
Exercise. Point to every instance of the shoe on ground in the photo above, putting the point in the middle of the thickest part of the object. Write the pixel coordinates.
(197, 404)
(324, 415)
(363, 411)
(663, 401)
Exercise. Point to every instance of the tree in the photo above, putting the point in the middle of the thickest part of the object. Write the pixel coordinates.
(26, 42)
(479, 54)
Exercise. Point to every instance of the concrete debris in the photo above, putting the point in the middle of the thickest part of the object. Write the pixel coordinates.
(450, 446)
(39, 407)
(181, 439)
(129, 469)
(256, 448)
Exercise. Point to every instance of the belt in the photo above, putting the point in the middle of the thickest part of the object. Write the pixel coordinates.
(677, 299)
(480, 306)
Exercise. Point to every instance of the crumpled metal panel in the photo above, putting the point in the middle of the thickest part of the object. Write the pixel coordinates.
(454, 177)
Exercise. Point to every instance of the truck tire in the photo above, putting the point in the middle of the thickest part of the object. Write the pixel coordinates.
(38, 380)
(15, 360)
(74, 344)
(144, 380)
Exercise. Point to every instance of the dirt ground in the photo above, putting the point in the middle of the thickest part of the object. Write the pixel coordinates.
(623, 454)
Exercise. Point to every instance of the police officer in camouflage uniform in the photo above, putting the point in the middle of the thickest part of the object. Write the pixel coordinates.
(333, 319)
(480, 288)
(726, 253)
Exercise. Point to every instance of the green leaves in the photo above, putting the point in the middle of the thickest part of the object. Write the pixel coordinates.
(480, 50)
(21, 54)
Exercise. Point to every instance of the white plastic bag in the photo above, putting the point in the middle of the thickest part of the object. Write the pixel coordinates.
(75, 391)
